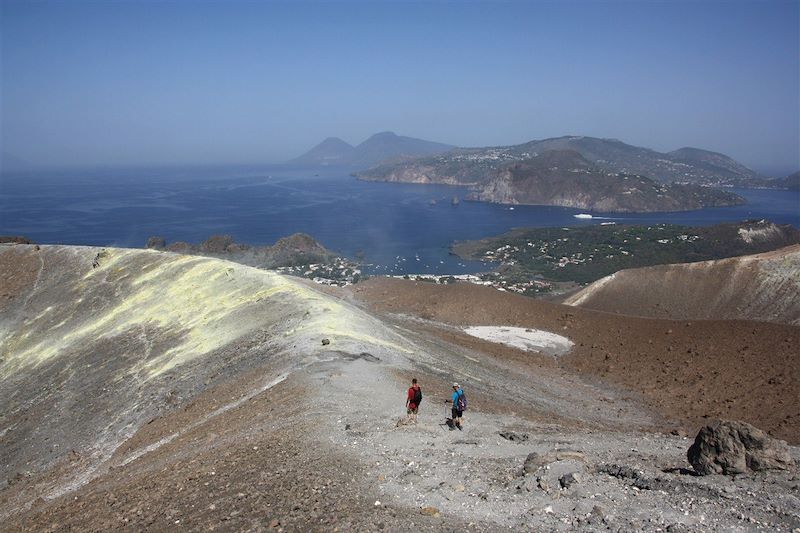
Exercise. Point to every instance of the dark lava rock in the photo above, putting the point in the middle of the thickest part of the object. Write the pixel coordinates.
(14, 239)
(567, 480)
(157, 243)
(514, 437)
(326, 342)
(732, 447)
(216, 244)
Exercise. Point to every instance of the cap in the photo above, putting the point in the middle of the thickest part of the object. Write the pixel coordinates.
(455, 385)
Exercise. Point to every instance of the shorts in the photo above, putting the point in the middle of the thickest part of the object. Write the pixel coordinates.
(456, 413)
(411, 411)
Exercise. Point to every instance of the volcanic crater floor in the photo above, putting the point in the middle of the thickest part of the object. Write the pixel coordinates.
(297, 436)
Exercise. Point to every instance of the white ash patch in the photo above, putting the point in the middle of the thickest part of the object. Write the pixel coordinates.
(523, 339)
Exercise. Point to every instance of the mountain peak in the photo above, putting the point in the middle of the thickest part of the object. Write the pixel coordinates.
(379, 147)
(331, 151)
(334, 140)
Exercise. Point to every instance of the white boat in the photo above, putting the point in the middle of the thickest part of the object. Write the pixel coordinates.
(583, 215)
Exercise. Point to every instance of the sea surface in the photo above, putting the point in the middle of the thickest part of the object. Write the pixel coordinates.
(399, 228)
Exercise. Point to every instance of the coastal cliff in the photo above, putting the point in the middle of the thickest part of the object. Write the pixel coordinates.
(564, 178)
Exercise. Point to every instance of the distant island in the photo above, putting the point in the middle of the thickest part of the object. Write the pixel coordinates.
(554, 177)
(472, 166)
(605, 175)
(381, 147)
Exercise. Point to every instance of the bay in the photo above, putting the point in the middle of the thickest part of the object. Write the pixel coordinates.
(399, 228)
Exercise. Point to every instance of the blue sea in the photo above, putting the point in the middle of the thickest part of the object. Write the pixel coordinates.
(399, 228)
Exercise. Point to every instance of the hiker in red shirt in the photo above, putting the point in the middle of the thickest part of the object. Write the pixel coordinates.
(413, 399)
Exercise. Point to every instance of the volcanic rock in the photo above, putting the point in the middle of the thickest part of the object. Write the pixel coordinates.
(567, 480)
(14, 239)
(535, 461)
(732, 447)
(157, 243)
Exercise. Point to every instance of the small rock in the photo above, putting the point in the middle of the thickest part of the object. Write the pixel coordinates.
(326, 342)
(429, 511)
(597, 516)
(677, 527)
(567, 480)
(535, 461)
(514, 437)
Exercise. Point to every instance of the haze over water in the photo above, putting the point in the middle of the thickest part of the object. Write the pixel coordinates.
(392, 224)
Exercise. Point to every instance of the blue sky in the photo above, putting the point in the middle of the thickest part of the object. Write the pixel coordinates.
(87, 83)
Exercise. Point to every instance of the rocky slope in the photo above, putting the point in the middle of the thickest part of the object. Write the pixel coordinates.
(755, 287)
(475, 165)
(152, 391)
(564, 178)
(380, 147)
(296, 249)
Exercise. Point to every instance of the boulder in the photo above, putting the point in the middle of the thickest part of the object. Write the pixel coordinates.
(732, 447)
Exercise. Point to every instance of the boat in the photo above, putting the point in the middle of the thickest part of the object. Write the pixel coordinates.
(583, 215)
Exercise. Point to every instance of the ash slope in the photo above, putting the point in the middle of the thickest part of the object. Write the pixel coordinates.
(98, 342)
(755, 287)
(150, 391)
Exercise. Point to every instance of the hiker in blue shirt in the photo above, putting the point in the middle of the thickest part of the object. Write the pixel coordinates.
(458, 406)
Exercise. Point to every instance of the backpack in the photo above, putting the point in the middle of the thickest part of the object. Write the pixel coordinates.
(417, 396)
(462, 401)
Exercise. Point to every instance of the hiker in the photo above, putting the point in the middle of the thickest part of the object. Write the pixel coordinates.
(413, 399)
(459, 404)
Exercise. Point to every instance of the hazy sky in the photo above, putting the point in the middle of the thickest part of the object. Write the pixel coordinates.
(190, 82)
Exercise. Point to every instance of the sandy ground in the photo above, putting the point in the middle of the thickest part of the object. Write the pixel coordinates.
(523, 338)
(294, 435)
